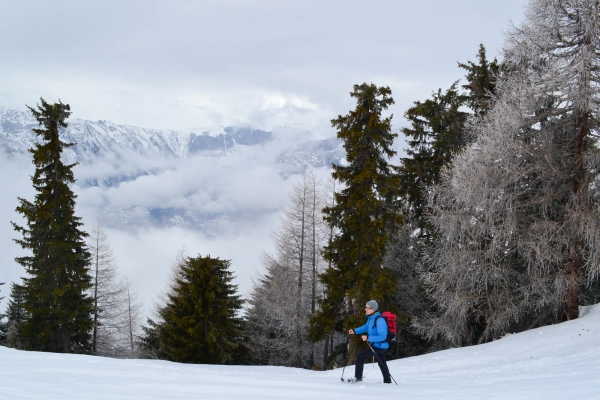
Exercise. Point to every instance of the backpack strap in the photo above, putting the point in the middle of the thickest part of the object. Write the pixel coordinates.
(375, 320)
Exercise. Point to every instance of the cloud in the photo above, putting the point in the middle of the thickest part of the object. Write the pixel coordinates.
(146, 256)
(180, 64)
(225, 206)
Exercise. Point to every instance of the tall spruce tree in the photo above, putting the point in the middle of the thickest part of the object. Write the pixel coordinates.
(55, 291)
(364, 214)
(200, 322)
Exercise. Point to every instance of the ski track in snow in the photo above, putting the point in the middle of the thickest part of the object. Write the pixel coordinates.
(554, 362)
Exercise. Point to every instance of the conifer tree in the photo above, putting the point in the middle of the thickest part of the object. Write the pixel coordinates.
(200, 322)
(3, 325)
(55, 291)
(438, 131)
(364, 212)
(149, 340)
(481, 78)
(16, 316)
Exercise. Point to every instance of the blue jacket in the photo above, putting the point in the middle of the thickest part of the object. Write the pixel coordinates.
(377, 333)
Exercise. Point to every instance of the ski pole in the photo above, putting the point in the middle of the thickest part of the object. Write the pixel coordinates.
(347, 358)
(369, 344)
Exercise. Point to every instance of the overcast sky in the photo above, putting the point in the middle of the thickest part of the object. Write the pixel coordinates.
(183, 64)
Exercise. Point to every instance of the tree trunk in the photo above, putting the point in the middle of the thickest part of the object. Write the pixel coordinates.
(300, 276)
(325, 351)
(313, 297)
(95, 335)
(130, 318)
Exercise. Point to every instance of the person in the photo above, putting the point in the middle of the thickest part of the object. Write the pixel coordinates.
(375, 332)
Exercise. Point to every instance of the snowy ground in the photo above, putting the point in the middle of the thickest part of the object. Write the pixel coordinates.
(557, 362)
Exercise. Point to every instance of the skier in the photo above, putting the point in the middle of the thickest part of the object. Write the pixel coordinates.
(376, 330)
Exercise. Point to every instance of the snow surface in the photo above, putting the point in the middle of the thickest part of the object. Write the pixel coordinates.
(555, 362)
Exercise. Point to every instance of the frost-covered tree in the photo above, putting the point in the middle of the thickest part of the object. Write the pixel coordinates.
(286, 294)
(271, 315)
(116, 311)
(517, 215)
(132, 321)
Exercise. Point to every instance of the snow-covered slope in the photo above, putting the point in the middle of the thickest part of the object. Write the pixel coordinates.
(555, 362)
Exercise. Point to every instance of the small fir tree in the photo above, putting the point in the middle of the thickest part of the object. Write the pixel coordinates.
(3, 325)
(200, 322)
(55, 291)
(16, 316)
(149, 340)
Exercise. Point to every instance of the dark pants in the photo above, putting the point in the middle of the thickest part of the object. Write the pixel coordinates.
(360, 363)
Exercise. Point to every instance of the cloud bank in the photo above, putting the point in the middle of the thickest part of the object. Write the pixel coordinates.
(225, 205)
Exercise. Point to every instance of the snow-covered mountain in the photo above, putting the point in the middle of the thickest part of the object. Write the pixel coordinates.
(124, 168)
(317, 153)
(554, 362)
(214, 191)
(100, 138)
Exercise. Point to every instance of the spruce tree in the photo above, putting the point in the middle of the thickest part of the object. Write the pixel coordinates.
(438, 131)
(364, 214)
(55, 292)
(150, 341)
(16, 316)
(3, 325)
(481, 78)
(200, 322)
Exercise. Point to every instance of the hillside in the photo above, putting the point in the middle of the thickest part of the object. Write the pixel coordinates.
(554, 362)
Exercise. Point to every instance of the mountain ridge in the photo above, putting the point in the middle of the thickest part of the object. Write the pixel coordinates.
(99, 138)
